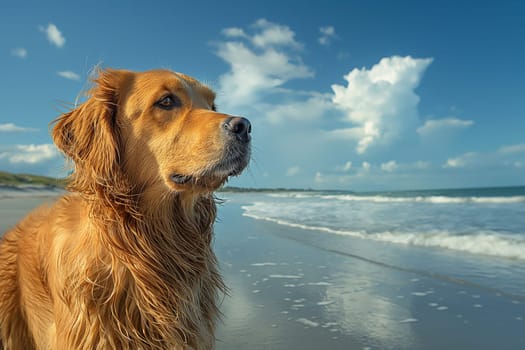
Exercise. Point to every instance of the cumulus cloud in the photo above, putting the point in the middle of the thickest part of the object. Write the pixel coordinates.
(506, 156)
(19, 52)
(345, 167)
(380, 102)
(327, 33)
(389, 166)
(302, 111)
(29, 154)
(69, 75)
(373, 107)
(272, 34)
(519, 148)
(54, 36)
(454, 163)
(433, 126)
(11, 127)
(461, 161)
(234, 33)
(259, 62)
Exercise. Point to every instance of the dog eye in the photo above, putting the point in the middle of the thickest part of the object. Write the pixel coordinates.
(168, 102)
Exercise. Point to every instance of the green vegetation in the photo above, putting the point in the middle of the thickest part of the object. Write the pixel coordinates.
(9, 179)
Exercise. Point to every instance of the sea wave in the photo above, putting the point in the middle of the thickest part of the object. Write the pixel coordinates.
(406, 199)
(432, 199)
(489, 243)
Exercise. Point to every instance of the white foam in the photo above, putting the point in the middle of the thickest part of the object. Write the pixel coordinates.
(285, 276)
(409, 320)
(307, 322)
(330, 324)
(493, 244)
(319, 283)
(264, 264)
(428, 199)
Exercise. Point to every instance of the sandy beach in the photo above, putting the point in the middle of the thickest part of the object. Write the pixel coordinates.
(291, 290)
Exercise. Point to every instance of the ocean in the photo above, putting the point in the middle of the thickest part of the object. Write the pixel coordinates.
(470, 236)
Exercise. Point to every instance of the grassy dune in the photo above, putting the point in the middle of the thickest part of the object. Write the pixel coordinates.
(9, 179)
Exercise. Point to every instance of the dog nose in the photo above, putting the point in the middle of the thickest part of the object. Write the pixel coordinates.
(238, 126)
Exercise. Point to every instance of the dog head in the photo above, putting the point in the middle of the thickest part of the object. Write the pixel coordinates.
(155, 129)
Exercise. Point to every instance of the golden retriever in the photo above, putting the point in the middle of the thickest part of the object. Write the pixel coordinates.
(124, 261)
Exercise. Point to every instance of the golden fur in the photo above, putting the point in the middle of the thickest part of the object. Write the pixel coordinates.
(124, 261)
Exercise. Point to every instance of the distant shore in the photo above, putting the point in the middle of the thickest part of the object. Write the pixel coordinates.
(11, 180)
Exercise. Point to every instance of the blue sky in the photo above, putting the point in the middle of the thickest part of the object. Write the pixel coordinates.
(362, 95)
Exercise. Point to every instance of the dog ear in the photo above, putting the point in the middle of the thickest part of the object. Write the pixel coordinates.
(88, 135)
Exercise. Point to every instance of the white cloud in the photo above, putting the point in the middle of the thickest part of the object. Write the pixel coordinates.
(389, 166)
(292, 171)
(327, 33)
(29, 154)
(508, 156)
(461, 161)
(54, 35)
(454, 163)
(301, 111)
(345, 167)
(519, 148)
(328, 30)
(19, 52)
(365, 166)
(438, 125)
(234, 33)
(380, 102)
(259, 64)
(272, 34)
(69, 75)
(10, 127)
